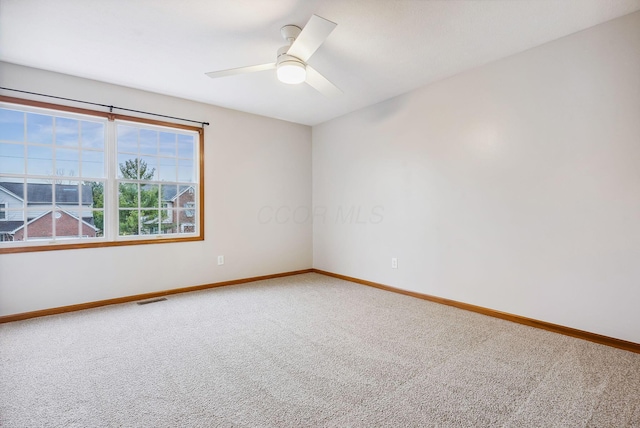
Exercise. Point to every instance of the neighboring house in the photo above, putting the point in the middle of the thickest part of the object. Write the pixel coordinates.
(70, 205)
(178, 211)
(182, 198)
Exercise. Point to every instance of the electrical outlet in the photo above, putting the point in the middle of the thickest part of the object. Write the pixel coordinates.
(220, 260)
(394, 263)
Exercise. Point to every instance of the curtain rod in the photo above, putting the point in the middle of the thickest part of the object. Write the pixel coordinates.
(105, 105)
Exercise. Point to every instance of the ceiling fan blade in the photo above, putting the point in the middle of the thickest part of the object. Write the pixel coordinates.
(241, 70)
(321, 84)
(311, 37)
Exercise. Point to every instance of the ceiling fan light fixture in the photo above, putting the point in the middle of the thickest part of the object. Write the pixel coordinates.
(291, 59)
(291, 72)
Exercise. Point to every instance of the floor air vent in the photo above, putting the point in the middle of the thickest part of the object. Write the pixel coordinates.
(146, 302)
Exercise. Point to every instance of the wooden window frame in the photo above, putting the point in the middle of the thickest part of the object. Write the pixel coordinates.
(119, 240)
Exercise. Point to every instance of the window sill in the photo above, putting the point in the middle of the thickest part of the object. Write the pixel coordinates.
(102, 244)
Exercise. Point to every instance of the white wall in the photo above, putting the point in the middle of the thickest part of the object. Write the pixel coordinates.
(514, 186)
(250, 162)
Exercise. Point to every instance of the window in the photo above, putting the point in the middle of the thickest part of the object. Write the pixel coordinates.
(155, 165)
(189, 212)
(81, 178)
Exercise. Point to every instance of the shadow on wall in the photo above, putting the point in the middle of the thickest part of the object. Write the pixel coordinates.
(385, 110)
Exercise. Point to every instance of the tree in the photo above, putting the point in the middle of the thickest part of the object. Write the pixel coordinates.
(97, 191)
(129, 220)
(131, 167)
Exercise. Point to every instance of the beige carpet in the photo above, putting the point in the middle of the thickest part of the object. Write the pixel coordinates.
(306, 351)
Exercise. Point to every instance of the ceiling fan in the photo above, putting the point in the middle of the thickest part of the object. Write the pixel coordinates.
(291, 61)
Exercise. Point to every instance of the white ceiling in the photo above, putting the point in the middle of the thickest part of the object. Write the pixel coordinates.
(380, 48)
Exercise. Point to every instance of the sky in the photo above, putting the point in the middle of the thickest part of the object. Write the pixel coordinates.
(78, 147)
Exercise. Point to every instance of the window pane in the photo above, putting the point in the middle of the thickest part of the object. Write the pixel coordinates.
(11, 125)
(92, 194)
(168, 169)
(39, 160)
(92, 164)
(39, 128)
(186, 171)
(40, 225)
(39, 194)
(148, 142)
(67, 132)
(11, 158)
(167, 219)
(128, 222)
(14, 226)
(186, 146)
(190, 211)
(15, 187)
(68, 196)
(98, 222)
(186, 196)
(92, 135)
(186, 223)
(148, 168)
(67, 162)
(128, 195)
(128, 167)
(16, 217)
(150, 222)
(167, 144)
(149, 196)
(127, 139)
(88, 228)
(11, 206)
(67, 226)
(168, 192)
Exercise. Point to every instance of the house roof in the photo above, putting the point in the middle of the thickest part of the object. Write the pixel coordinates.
(10, 225)
(40, 193)
(169, 193)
